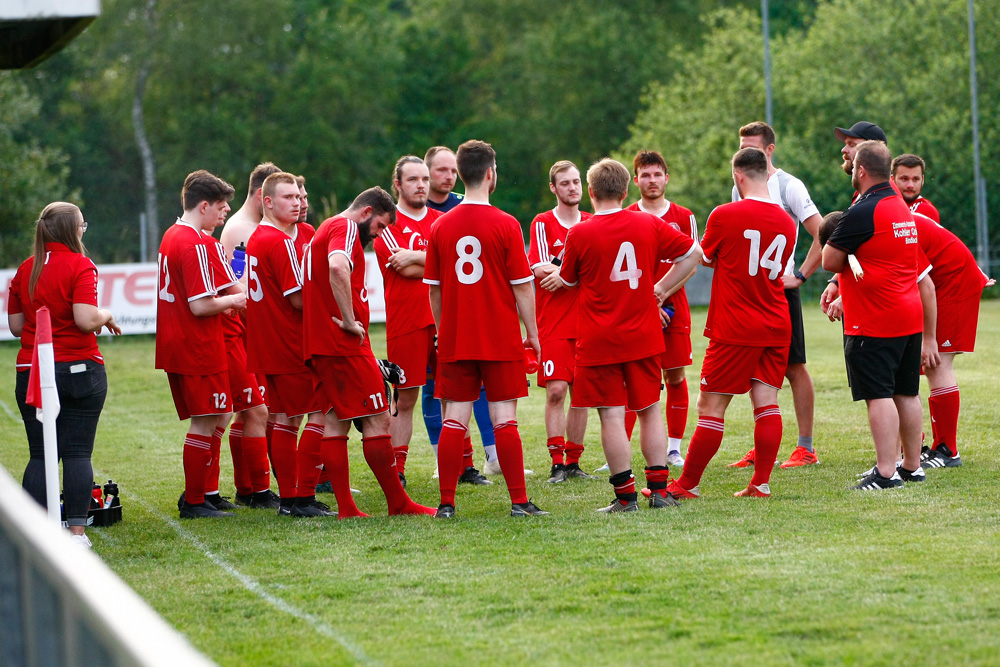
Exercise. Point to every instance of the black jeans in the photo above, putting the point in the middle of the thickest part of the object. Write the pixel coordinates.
(82, 386)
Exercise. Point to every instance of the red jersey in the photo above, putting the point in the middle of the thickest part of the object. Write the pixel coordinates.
(321, 336)
(953, 268)
(681, 219)
(613, 257)
(67, 278)
(879, 230)
(233, 323)
(274, 326)
(407, 306)
(476, 253)
(557, 311)
(186, 344)
(925, 207)
(749, 243)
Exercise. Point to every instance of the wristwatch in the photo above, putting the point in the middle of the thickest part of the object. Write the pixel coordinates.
(798, 274)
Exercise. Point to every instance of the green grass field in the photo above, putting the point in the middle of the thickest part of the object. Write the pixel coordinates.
(817, 574)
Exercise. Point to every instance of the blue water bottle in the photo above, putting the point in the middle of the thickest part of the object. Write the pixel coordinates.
(239, 261)
(669, 310)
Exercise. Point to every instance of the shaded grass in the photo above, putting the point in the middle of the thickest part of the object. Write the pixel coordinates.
(817, 574)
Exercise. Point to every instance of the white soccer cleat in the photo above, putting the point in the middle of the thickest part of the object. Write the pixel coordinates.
(492, 468)
(675, 459)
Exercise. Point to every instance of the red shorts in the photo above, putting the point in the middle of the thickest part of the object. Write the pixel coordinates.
(352, 386)
(200, 395)
(294, 394)
(634, 384)
(729, 369)
(414, 352)
(462, 381)
(558, 361)
(956, 325)
(243, 386)
(678, 350)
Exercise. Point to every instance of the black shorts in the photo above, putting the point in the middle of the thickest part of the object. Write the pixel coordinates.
(883, 367)
(797, 348)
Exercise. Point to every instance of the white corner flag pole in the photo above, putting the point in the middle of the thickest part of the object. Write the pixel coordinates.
(47, 409)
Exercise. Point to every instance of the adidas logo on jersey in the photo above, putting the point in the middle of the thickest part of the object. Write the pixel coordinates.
(947, 343)
(406, 230)
(557, 243)
(704, 381)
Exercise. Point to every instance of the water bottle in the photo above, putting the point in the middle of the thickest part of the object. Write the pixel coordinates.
(95, 501)
(669, 311)
(530, 360)
(239, 261)
(111, 495)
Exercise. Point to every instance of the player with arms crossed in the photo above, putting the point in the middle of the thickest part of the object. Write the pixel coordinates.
(336, 346)
(651, 175)
(409, 327)
(274, 344)
(557, 328)
(479, 282)
(189, 337)
(748, 242)
(613, 257)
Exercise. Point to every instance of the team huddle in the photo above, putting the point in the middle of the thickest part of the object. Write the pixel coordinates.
(270, 324)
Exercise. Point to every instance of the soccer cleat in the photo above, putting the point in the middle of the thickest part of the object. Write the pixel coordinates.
(573, 471)
(526, 509)
(435, 475)
(325, 487)
(220, 502)
(656, 501)
(617, 506)
(445, 512)
(323, 506)
(925, 452)
(941, 457)
(264, 500)
(81, 541)
(402, 479)
(876, 482)
(492, 467)
(744, 462)
(473, 476)
(604, 468)
(679, 492)
(243, 499)
(203, 511)
(675, 459)
(303, 511)
(800, 457)
(557, 475)
(911, 475)
(762, 491)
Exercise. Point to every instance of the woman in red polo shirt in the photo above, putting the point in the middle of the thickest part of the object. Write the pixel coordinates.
(62, 278)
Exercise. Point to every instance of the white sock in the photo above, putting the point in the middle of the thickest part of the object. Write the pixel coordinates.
(491, 453)
(674, 445)
(435, 448)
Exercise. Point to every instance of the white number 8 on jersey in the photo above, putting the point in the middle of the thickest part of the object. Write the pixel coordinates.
(469, 250)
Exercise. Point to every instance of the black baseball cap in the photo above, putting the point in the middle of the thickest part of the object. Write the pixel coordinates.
(862, 130)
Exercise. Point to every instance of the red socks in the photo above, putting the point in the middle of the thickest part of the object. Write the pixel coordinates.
(382, 461)
(677, 409)
(511, 456)
(573, 453)
(258, 468)
(334, 453)
(657, 478)
(556, 446)
(307, 460)
(630, 419)
(212, 474)
(467, 452)
(283, 453)
(766, 441)
(944, 404)
(450, 446)
(704, 445)
(241, 474)
(197, 459)
(400, 453)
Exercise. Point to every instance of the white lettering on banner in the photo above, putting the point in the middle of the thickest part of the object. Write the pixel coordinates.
(129, 291)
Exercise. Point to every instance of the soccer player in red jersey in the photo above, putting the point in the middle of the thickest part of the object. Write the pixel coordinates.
(189, 338)
(748, 242)
(613, 258)
(650, 173)
(479, 282)
(409, 327)
(557, 314)
(908, 175)
(336, 346)
(885, 323)
(274, 344)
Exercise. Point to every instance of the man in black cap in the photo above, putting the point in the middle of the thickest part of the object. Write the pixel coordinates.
(852, 138)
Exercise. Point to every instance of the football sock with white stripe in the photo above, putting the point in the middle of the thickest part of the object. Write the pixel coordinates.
(704, 445)
(197, 458)
(766, 441)
(944, 404)
(677, 412)
(307, 460)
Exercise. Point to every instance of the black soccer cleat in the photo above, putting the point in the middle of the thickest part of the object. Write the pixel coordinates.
(617, 506)
(911, 475)
(243, 499)
(557, 474)
(526, 509)
(303, 511)
(220, 502)
(263, 500)
(573, 472)
(473, 476)
(203, 511)
(656, 501)
(445, 512)
(939, 457)
(874, 481)
(402, 479)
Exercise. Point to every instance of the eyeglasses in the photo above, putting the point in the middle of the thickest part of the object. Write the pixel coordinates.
(83, 225)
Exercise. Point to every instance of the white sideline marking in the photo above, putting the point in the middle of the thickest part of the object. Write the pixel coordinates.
(250, 584)
(6, 408)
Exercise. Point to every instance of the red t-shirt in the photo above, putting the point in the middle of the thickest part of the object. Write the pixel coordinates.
(407, 306)
(879, 230)
(321, 336)
(67, 278)
(476, 253)
(953, 268)
(186, 344)
(233, 322)
(925, 207)
(274, 326)
(557, 311)
(681, 219)
(613, 257)
(749, 243)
